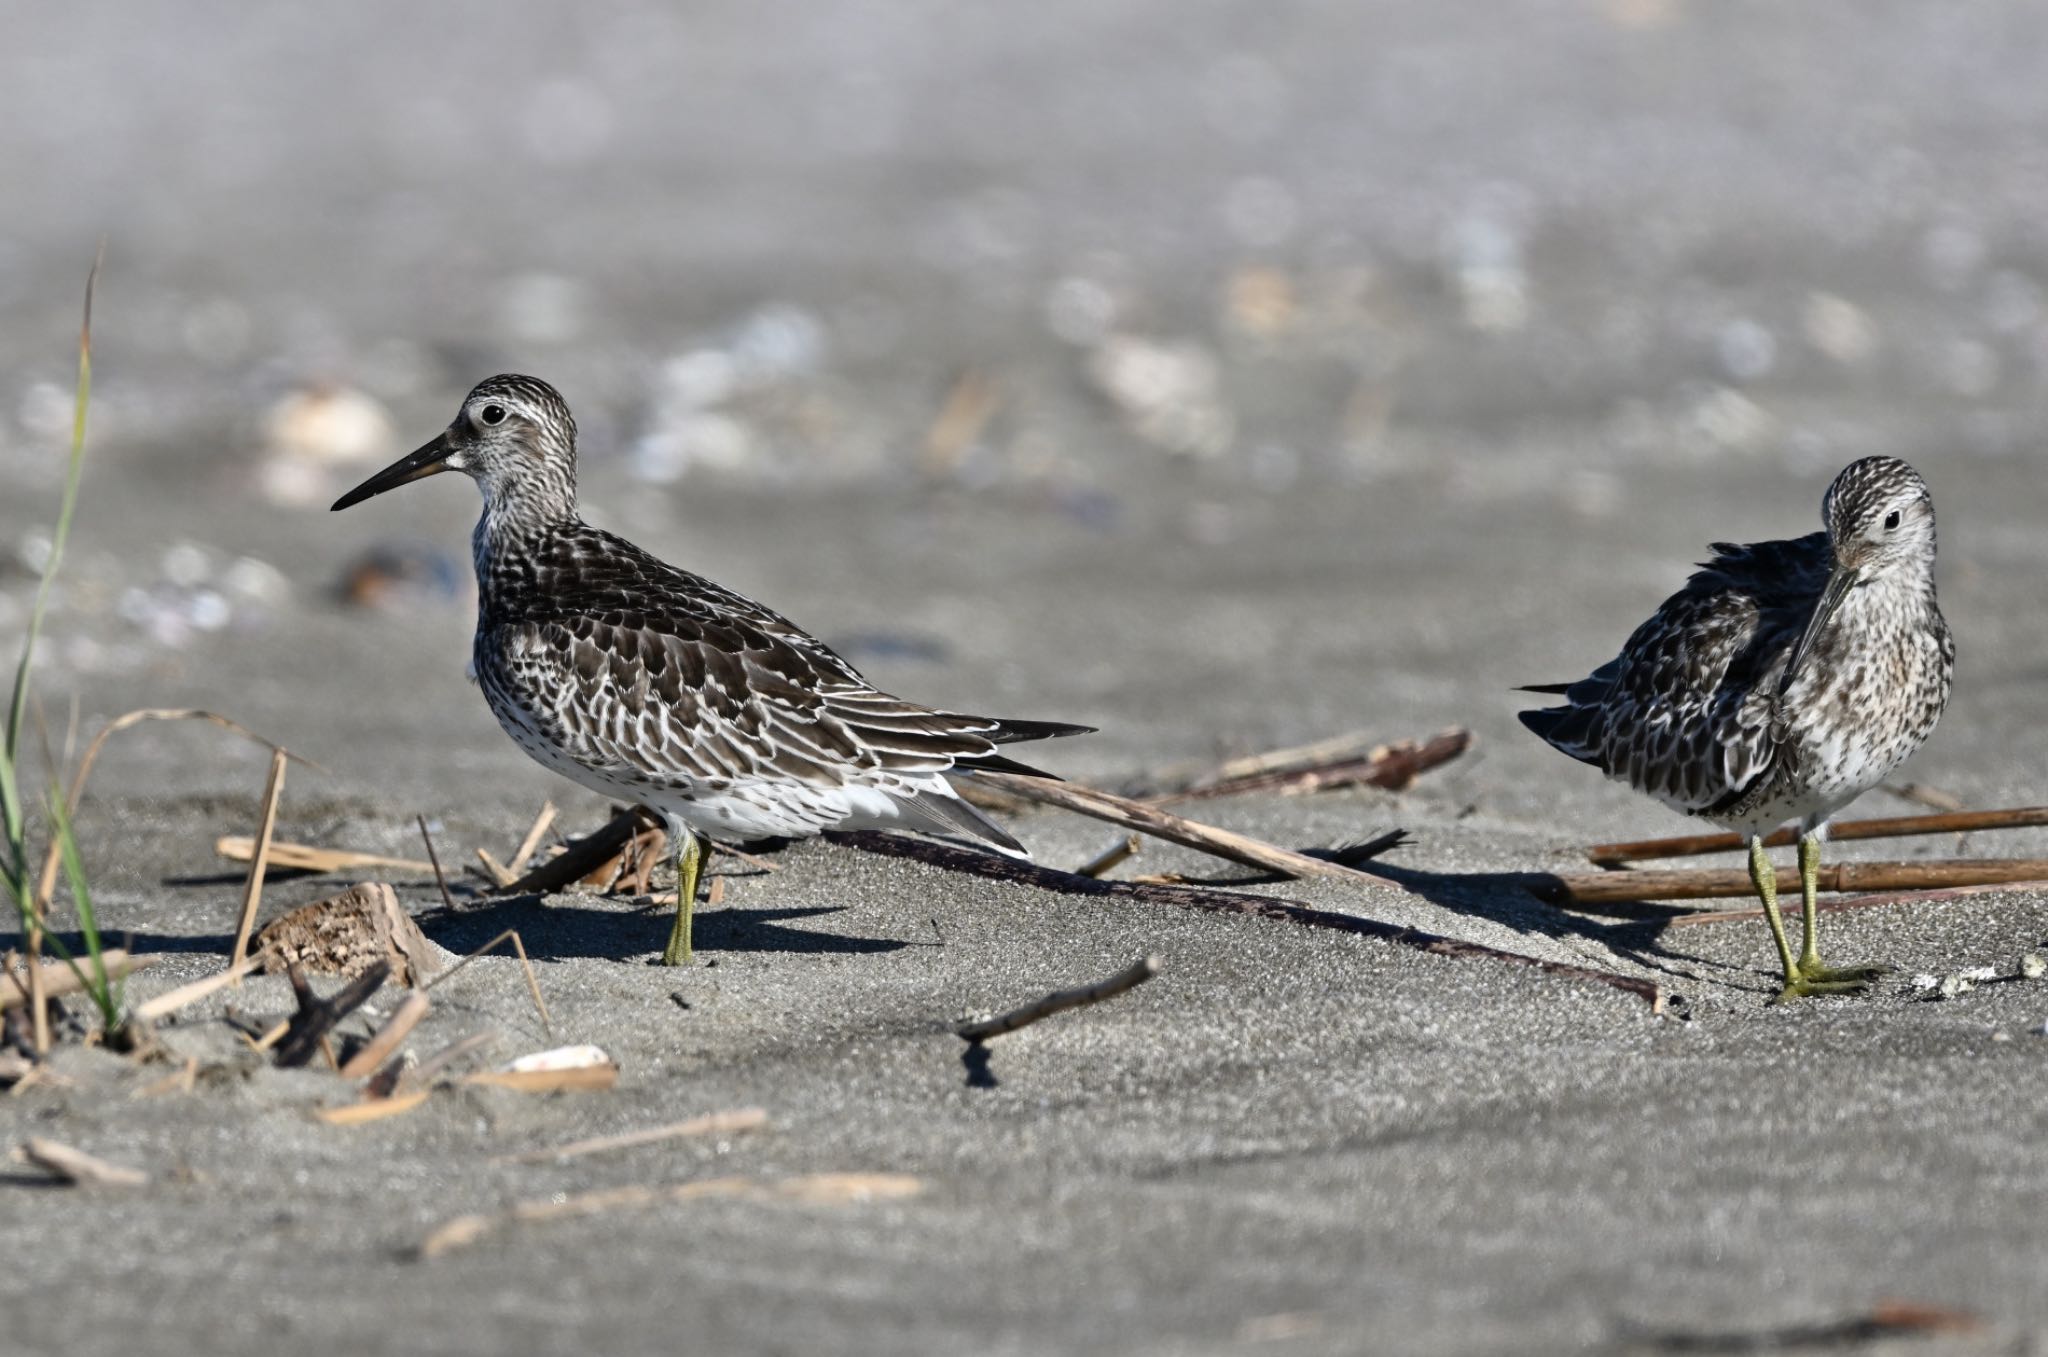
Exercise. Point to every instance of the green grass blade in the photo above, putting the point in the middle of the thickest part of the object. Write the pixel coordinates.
(69, 504)
(102, 990)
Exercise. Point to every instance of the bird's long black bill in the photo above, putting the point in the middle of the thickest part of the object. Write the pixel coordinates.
(428, 461)
(1838, 586)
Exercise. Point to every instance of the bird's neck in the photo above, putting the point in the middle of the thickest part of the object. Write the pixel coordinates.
(515, 523)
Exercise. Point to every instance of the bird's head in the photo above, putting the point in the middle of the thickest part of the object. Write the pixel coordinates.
(514, 436)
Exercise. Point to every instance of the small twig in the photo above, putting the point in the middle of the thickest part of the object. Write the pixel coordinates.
(78, 1167)
(434, 861)
(170, 1001)
(531, 843)
(1568, 889)
(395, 1029)
(710, 1124)
(308, 1028)
(1059, 1001)
(1147, 819)
(1114, 855)
(1891, 827)
(532, 981)
(1390, 766)
(1225, 902)
(759, 863)
(259, 861)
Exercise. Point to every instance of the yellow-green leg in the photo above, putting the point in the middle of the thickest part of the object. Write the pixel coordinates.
(689, 855)
(1765, 878)
(1817, 977)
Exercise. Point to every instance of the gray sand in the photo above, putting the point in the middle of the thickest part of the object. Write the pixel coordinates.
(1292, 1140)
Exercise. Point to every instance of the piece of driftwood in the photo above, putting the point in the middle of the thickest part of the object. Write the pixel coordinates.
(1148, 819)
(998, 868)
(347, 934)
(815, 1189)
(59, 979)
(1732, 883)
(308, 1028)
(582, 857)
(1059, 1001)
(259, 861)
(396, 1028)
(710, 1124)
(1890, 827)
(77, 1167)
(1330, 765)
(306, 857)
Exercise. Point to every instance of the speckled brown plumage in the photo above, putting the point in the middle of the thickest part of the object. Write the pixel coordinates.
(1704, 709)
(647, 682)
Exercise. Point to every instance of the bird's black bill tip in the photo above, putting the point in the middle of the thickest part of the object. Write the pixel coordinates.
(427, 461)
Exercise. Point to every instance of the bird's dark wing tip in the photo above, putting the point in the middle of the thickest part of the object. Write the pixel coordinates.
(1015, 732)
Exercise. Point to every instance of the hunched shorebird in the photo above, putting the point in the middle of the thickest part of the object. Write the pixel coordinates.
(1785, 680)
(642, 681)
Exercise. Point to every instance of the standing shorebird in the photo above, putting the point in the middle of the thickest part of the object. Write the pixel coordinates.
(1785, 680)
(643, 681)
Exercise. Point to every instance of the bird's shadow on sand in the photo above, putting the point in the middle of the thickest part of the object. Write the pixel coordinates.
(607, 928)
(1636, 933)
(620, 932)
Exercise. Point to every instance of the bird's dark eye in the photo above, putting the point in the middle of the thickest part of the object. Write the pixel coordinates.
(1891, 520)
(495, 414)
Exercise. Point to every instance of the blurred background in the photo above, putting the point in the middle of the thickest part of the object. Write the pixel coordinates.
(1223, 373)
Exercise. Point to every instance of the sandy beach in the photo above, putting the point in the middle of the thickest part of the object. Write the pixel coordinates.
(1225, 378)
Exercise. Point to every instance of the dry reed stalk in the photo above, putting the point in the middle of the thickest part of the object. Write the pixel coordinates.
(58, 979)
(77, 1167)
(529, 845)
(170, 1001)
(1890, 827)
(816, 1189)
(1733, 883)
(1162, 824)
(304, 857)
(259, 861)
(395, 1029)
(532, 981)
